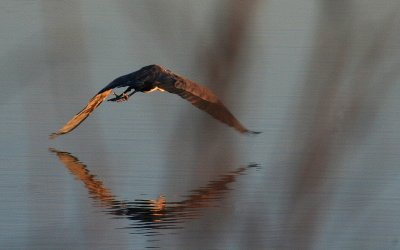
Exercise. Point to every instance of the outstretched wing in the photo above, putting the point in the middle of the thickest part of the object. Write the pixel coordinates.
(81, 116)
(201, 98)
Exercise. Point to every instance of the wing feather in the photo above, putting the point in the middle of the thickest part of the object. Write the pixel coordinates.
(202, 98)
(83, 114)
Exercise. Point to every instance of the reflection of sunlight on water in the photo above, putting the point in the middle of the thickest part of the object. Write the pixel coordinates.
(151, 216)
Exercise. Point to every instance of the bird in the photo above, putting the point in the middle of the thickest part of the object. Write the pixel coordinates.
(157, 78)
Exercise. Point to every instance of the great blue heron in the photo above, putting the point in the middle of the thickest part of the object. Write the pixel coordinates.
(151, 78)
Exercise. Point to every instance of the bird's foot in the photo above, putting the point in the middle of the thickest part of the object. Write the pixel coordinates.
(119, 98)
(123, 97)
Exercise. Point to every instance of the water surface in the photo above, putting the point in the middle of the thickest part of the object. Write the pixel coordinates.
(318, 78)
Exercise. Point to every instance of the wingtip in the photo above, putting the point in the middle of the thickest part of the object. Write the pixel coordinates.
(53, 150)
(249, 132)
(52, 136)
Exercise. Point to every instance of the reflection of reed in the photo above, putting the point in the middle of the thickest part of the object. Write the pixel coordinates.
(151, 215)
(222, 58)
(343, 107)
(221, 64)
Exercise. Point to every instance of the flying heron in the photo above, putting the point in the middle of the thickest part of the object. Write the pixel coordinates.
(151, 78)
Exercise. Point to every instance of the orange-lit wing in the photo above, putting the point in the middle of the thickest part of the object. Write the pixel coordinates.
(201, 98)
(81, 116)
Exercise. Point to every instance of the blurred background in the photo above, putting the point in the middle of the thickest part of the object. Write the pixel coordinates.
(320, 79)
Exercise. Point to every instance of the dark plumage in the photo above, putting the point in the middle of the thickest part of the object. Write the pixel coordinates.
(151, 78)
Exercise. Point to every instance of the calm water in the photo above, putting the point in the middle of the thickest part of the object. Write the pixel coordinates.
(319, 79)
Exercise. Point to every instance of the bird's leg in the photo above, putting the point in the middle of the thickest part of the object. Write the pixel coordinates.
(133, 92)
(116, 98)
(122, 97)
(125, 95)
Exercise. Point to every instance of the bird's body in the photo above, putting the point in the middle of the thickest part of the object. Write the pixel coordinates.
(152, 78)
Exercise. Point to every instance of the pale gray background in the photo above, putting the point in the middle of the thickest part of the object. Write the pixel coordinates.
(319, 78)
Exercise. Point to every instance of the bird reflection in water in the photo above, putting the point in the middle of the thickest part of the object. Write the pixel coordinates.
(152, 215)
